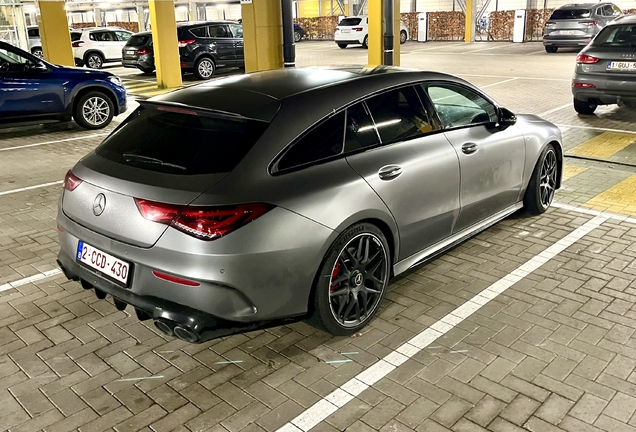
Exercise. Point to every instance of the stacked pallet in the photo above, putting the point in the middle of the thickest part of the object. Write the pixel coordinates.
(501, 25)
(446, 26)
(130, 26)
(322, 27)
(82, 25)
(535, 21)
(410, 21)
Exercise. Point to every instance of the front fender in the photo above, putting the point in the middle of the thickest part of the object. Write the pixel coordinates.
(101, 85)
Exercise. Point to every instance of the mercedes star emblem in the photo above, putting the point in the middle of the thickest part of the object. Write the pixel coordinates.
(99, 204)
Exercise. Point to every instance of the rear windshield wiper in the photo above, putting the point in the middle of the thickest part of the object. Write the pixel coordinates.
(130, 157)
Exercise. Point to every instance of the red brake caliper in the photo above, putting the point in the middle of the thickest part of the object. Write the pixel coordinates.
(337, 270)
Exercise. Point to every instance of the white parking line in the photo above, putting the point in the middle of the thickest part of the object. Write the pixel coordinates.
(53, 142)
(484, 49)
(30, 187)
(30, 279)
(554, 110)
(352, 388)
(518, 77)
(497, 83)
(591, 212)
(598, 128)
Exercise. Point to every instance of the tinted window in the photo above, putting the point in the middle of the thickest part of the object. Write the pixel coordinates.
(181, 143)
(617, 36)
(138, 40)
(350, 21)
(34, 32)
(12, 61)
(458, 106)
(319, 143)
(564, 14)
(75, 36)
(103, 36)
(199, 31)
(218, 31)
(237, 30)
(361, 131)
(399, 115)
(122, 35)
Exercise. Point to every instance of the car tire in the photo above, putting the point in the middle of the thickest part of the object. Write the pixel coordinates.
(297, 36)
(365, 42)
(37, 51)
(94, 60)
(403, 37)
(93, 110)
(584, 107)
(204, 68)
(551, 49)
(342, 46)
(360, 258)
(146, 70)
(542, 185)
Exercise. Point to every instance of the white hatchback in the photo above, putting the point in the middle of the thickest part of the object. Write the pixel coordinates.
(98, 45)
(355, 31)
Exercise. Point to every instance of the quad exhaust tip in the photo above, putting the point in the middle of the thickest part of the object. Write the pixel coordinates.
(164, 327)
(186, 334)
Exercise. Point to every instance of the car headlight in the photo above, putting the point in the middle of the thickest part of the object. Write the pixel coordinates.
(115, 80)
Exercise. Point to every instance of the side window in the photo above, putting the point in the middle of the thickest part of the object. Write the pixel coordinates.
(616, 11)
(399, 115)
(75, 36)
(237, 30)
(123, 36)
(199, 31)
(218, 31)
(103, 36)
(92, 36)
(33, 33)
(361, 131)
(458, 106)
(319, 143)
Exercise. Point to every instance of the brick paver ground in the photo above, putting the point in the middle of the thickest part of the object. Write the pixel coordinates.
(557, 351)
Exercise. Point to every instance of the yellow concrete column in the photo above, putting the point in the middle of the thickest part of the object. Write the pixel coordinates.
(396, 32)
(469, 31)
(56, 39)
(165, 45)
(262, 35)
(376, 56)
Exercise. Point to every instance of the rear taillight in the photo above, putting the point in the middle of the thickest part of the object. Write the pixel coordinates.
(71, 181)
(143, 51)
(586, 59)
(589, 23)
(205, 223)
(357, 29)
(185, 43)
(175, 279)
(77, 44)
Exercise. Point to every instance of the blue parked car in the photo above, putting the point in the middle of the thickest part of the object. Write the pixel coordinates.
(33, 91)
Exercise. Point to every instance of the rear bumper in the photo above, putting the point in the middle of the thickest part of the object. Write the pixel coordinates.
(567, 42)
(140, 62)
(607, 90)
(348, 39)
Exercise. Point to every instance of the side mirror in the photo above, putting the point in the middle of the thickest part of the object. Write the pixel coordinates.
(38, 66)
(506, 117)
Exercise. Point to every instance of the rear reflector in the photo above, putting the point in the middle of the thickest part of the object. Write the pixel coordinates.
(583, 85)
(586, 59)
(71, 181)
(175, 279)
(205, 223)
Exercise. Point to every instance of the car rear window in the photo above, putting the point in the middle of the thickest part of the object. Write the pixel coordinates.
(181, 141)
(75, 36)
(349, 22)
(565, 14)
(617, 36)
(138, 40)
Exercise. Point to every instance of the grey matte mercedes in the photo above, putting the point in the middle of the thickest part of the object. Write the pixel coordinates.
(294, 194)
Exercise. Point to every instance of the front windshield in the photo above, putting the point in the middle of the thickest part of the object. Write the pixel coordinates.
(617, 36)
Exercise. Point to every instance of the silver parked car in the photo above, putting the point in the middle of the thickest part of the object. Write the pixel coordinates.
(574, 25)
(606, 69)
(295, 193)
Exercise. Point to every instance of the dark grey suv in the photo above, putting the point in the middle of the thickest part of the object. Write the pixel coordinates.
(606, 69)
(575, 25)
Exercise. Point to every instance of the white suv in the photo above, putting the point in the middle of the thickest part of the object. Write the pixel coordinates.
(355, 30)
(98, 45)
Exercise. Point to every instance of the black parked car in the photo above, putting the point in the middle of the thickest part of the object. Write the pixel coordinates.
(203, 48)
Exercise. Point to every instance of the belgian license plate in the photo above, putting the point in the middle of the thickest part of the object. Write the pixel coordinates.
(566, 32)
(103, 262)
(346, 30)
(622, 66)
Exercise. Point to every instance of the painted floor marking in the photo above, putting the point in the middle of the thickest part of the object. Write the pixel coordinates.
(352, 388)
(553, 110)
(497, 83)
(30, 279)
(30, 187)
(598, 128)
(620, 198)
(604, 145)
(53, 142)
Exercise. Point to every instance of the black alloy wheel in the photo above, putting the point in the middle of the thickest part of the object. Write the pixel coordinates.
(542, 186)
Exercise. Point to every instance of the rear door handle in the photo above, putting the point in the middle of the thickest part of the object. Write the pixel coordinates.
(469, 148)
(389, 172)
